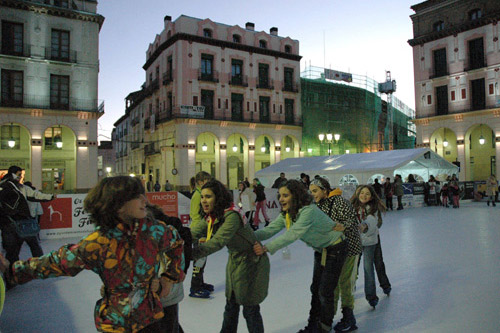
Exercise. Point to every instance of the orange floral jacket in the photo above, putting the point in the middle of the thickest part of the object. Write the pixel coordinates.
(126, 258)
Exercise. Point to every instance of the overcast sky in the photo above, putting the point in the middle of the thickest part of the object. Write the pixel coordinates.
(364, 37)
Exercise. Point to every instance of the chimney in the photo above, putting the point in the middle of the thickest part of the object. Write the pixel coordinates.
(274, 31)
(250, 26)
(167, 19)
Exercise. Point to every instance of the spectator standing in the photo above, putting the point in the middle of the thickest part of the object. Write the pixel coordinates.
(281, 179)
(157, 186)
(491, 189)
(378, 188)
(14, 207)
(398, 189)
(260, 203)
(168, 186)
(388, 192)
(36, 212)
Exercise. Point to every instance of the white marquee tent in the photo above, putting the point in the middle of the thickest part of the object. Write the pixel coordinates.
(362, 168)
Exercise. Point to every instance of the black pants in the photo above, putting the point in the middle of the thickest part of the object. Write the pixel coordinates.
(12, 244)
(388, 202)
(168, 324)
(250, 312)
(400, 202)
(197, 277)
(325, 280)
(378, 260)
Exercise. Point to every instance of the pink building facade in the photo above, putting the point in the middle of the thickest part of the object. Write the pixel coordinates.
(456, 56)
(218, 98)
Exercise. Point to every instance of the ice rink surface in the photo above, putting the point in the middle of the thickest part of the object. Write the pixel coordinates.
(443, 264)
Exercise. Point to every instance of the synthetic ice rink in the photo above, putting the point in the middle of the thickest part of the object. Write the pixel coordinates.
(443, 264)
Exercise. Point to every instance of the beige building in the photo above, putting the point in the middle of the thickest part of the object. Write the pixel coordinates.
(456, 56)
(218, 98)
(49, 65)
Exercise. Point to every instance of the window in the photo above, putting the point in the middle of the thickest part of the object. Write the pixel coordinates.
(478, 94)
(491, 89)
(288, 49)
(452, 95)
(52, 136)
(207, 100)
(440, 65)
(60, 45)
(263, 76)
(236, 72)
(237, 107)
(12, 38)
(59, 92)
(206, 66)
(289, 111)
(464, 93)
(476, 54)
(12, 88)
(264, 109)
(438, 26)
(475, 14)
(288, 79)
(236, 38)
(207, 33)
(11, 132)
(262, 44)
(429, 99)
(442, 100)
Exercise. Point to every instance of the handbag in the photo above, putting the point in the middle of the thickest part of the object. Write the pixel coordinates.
(26, 227)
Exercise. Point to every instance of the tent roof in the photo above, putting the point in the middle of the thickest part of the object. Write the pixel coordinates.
(382, 161)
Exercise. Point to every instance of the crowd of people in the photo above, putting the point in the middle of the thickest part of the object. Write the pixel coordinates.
(142, 255)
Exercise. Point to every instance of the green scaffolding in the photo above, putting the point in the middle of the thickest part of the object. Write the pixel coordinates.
(356, 111)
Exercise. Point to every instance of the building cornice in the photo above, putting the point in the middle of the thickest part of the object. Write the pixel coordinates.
(53, 10)
(219, 43)
(493, 18)
(457, 116)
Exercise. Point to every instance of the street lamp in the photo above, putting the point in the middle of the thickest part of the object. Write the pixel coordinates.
(445, 142)
(11, 143)
(235, 148)
(481, 138)
(204, 147)
(263, 149)
(108, 169)
(329, 140)
(287, 149)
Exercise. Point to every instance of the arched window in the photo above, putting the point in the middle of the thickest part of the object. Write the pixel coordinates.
(475, 14)
(263, 44)
(438, 26)
(207, 33)
(236, 38)
(288, 49)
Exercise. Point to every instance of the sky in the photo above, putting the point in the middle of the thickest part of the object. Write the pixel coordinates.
(358, 36)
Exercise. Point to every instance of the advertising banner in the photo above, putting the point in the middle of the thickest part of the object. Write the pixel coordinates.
(65, 217)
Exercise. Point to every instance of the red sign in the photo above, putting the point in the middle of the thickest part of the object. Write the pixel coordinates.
(166, 200)
(57, 214)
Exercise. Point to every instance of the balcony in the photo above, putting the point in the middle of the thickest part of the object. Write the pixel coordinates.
(208, 77)
(68, 56)
(476, 65)
(438, 73)
(264, 84)
(163, 116)
(44, 102)
(241, 80)
(155, 84)
(290, 87)
(7, 49)
(167, 78)
(151, 149)
(135, 121)
(147, 124)
(134, 145)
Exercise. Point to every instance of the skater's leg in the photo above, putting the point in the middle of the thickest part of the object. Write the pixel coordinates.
(253, 318)
(378, 260)
(231, 314)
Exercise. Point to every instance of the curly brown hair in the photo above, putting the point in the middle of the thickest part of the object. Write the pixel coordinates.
(108, 196)
(300, 197)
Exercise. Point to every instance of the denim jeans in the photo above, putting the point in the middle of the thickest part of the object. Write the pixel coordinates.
(325, 280)
(368, 263)
(250, 312)
(378, 260)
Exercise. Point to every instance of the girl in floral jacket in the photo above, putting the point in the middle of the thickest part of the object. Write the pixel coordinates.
(125, 250)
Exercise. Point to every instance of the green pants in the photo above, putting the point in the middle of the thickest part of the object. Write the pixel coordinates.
(347, 282)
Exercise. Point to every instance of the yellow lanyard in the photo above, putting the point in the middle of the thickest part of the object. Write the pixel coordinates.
(287, 221)
(210, 227)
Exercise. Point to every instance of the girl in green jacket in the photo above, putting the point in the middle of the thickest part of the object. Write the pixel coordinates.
(247, 275)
